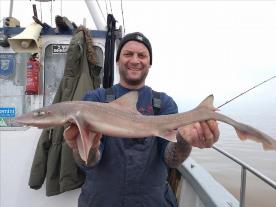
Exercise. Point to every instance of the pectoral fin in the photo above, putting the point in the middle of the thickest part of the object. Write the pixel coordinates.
(83, 143)
(169, 135)
(86, 139)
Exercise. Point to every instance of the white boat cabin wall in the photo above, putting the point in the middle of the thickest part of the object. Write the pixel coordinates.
(18, 143)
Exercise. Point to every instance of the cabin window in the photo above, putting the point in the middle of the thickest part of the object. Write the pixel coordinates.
(54, 64)
(13, 68)
(13, 100)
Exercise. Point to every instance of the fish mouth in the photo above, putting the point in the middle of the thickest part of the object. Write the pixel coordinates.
(20, 120)
(22, 123)
(25, 121)
(19, 124)
(33, 124)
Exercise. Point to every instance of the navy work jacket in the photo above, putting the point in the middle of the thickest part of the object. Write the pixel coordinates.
(131, 172)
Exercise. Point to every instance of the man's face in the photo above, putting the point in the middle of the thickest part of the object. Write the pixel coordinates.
(134, 64)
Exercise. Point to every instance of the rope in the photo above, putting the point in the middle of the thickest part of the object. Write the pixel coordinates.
(123, 16)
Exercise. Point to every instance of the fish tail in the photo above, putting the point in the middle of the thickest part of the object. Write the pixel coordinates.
(271, 146)
(267, 142)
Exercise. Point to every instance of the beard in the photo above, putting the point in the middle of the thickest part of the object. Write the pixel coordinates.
(133, 81)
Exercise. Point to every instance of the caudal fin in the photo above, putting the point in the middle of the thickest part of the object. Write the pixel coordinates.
(257, 136)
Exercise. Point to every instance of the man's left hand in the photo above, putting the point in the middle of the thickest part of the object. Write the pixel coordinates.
(200, 134)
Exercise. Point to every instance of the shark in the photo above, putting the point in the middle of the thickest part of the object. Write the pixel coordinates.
(121, 118)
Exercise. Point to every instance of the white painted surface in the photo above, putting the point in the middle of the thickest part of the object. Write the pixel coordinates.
(17, 152)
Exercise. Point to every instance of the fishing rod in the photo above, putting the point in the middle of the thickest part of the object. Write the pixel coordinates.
(255, 86)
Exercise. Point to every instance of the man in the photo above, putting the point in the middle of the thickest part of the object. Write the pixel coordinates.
(133, 172)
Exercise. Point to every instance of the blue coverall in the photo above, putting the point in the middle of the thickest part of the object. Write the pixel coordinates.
(131, 172)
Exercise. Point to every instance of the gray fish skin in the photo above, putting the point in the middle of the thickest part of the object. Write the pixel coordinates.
(120, 118)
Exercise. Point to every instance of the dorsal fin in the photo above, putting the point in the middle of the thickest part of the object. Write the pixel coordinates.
(126, 102)
(208, 103)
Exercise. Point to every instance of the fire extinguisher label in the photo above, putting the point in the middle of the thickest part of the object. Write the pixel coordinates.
(7, 112)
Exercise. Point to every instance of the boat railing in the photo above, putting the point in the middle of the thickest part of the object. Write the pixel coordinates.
(244, 168)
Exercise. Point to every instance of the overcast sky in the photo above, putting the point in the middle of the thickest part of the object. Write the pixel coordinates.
(199, 47)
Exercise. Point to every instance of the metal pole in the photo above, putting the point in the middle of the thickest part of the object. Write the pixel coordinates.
(255, 172)
(243, 187)
(11, 8)
(95, 14)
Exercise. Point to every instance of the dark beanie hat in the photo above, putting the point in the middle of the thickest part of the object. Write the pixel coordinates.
(135, 36)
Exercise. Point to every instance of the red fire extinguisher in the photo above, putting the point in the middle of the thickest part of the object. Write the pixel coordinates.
(32, 82)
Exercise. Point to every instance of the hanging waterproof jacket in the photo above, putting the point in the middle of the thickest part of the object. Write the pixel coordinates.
(53, 159)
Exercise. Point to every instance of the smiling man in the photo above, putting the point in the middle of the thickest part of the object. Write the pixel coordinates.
(134, 58)
(133, 172)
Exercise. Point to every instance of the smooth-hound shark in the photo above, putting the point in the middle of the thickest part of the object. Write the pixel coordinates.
(120, 118)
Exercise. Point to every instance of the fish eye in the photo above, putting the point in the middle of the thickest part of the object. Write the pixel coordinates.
(39, 113)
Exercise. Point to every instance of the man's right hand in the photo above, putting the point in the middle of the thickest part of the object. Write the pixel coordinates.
(200, 134)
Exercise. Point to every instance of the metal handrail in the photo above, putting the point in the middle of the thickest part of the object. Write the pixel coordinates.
(244, 168)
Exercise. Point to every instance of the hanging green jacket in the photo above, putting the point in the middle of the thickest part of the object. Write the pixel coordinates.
(53, 158)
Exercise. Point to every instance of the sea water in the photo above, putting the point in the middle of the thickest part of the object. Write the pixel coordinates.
(259, 111)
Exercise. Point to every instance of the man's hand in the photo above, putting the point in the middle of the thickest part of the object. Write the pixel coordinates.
(201, 134)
